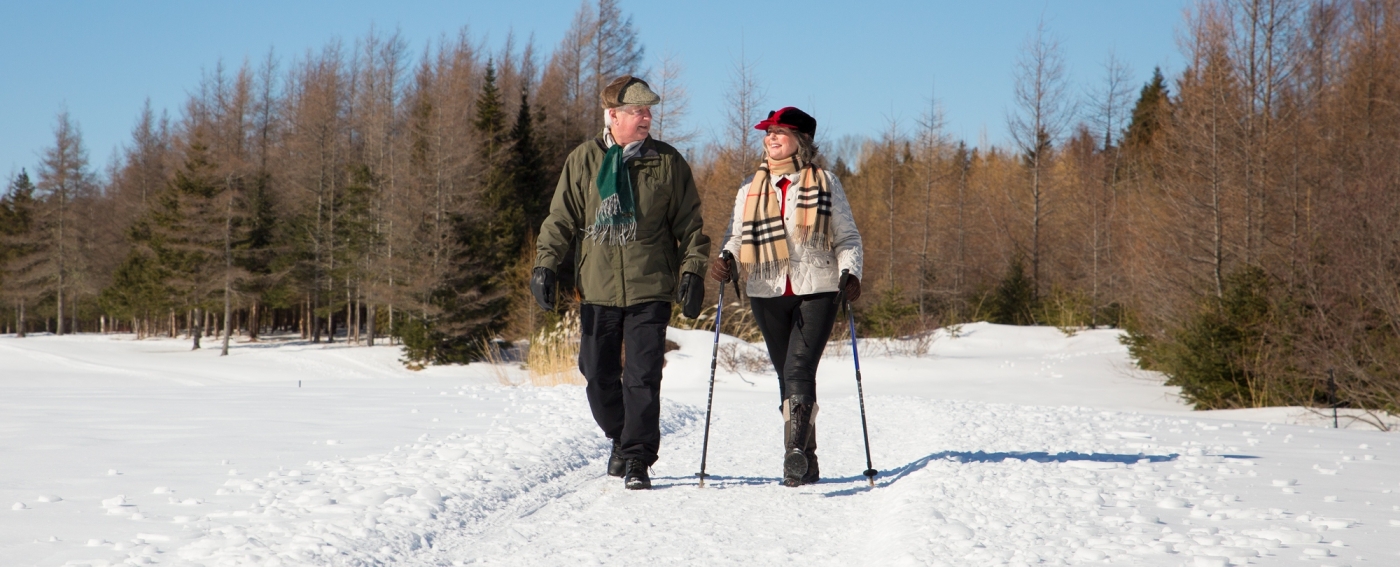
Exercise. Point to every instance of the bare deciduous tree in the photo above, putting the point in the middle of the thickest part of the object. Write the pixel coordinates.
(668, 118)
(1044, 112)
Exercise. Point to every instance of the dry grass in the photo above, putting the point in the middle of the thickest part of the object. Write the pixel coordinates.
(553, 356)
(499, 362)
(738, 321)
(741, 357)
(916, 344)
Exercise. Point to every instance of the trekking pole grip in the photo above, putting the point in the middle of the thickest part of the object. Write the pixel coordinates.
(729, 262)
(840, 298)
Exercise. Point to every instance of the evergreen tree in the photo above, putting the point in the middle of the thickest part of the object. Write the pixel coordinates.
(258, 254)
(490, 115)
(178, 257)
(1214, 356)
(17, 247)
(1150, 113)
(473, 300)
(1014, 301)
(526, 168)
(137, 290)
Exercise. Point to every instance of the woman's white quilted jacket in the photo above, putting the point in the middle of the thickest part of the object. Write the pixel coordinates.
(812, 271)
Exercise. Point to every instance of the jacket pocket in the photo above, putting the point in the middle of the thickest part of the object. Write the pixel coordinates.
(578, 266)
(653, 197)
(822, 260)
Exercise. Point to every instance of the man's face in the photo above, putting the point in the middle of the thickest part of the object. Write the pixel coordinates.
(630, 123)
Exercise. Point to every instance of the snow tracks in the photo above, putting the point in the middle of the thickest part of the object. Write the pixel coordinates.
(961, 483)
(393, 508)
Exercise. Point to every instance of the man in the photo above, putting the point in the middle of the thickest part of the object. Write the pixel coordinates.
(630, 204)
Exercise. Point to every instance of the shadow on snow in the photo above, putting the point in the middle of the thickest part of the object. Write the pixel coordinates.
(894, 475)
(720, 482)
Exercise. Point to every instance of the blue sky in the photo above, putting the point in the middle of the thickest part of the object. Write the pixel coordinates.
(854, 65)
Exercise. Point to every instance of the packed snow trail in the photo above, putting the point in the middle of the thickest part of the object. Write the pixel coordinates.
(964, 484)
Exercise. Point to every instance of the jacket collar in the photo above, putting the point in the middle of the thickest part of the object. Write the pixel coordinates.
(646, 150)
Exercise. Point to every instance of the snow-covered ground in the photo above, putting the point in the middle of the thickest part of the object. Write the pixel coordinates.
(1003, 446)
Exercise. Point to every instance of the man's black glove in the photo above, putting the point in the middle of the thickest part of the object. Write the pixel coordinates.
(692, 295)
(542, 285)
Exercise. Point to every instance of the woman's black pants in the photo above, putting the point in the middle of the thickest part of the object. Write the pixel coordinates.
(795, 328)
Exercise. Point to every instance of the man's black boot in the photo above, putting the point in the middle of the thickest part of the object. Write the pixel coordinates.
(797, 430)
(617, 466)
(636, 477)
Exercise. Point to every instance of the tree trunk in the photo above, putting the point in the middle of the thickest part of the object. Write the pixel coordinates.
(195, 332)
(254, 322)
(19, 325)
(228, 319)
(369, 324)
(315, 320)
(349, 319)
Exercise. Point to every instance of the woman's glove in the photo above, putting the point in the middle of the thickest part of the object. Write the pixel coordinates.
(692, 295)
(719, 270)
(848, 288)
(542, 286)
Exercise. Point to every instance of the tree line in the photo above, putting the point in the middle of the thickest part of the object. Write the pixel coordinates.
(1235, 217)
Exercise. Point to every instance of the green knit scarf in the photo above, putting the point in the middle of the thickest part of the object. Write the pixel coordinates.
(616, 220)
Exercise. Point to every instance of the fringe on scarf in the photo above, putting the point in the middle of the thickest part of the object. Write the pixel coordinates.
(768, 270)
(605, 230)
(617, 234)
(814, 240)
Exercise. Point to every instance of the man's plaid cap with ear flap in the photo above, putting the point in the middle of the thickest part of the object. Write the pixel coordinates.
(628, 90)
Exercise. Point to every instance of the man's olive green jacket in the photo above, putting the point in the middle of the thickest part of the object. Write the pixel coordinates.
(669, 238)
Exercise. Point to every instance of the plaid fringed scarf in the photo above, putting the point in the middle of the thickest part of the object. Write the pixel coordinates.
(616, 219)
(763, 245)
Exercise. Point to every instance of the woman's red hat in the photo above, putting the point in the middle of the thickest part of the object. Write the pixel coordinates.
(789, 117)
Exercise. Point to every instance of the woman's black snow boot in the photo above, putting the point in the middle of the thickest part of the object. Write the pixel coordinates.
(813, 474)
(800, 411)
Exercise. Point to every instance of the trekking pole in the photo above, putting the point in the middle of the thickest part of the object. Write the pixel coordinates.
(714, 363)
(870, 471)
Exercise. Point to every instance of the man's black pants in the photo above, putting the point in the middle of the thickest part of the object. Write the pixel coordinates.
(795, 328)
(626, 402)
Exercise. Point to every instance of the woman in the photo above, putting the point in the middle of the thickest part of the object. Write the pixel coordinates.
(793, 231)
